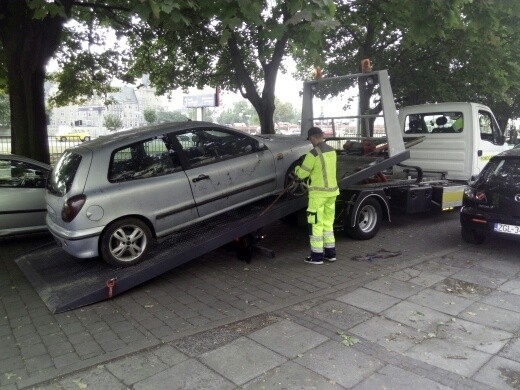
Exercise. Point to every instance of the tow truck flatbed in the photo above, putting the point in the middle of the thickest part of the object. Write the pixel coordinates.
(65, 282)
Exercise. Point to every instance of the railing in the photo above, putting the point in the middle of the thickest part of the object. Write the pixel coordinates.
(56, 146)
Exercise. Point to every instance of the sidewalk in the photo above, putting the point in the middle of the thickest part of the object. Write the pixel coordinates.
(441, 315)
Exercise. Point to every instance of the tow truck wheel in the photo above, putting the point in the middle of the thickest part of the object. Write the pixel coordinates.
(472, 236)
(126, 242)
(368, 220)
(87, 138)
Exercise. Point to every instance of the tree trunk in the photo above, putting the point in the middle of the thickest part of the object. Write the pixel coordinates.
(28, 44)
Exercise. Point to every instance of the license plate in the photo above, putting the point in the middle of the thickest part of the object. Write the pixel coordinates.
(504, 228)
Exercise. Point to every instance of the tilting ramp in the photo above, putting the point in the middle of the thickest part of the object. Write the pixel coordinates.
(64, 282)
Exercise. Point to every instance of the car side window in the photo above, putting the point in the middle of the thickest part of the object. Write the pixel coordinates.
(143, 159)
(489, 130)
(21, 174)
(206, 146)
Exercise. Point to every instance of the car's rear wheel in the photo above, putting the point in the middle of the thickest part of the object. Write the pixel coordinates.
(472, 236)
(126, 242)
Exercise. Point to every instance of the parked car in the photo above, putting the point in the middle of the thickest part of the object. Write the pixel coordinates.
(78, 136)
(491, 205)
(114, 195)
(22, 195)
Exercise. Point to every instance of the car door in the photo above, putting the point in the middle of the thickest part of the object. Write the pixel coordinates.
(225, 168)
(490, 141)
(22, 196)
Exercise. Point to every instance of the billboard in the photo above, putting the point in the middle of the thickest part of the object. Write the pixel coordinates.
(199, 101)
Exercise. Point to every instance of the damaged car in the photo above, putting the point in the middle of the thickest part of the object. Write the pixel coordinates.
(114, 196)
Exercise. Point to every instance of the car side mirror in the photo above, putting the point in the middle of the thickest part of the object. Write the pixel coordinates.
(260, 146)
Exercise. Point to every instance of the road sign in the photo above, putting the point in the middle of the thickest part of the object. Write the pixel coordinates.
(199, 101)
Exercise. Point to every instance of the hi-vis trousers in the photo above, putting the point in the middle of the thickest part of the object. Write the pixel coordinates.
(321, 212)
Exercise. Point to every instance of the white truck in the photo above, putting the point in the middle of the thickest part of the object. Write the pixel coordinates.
(424, 160)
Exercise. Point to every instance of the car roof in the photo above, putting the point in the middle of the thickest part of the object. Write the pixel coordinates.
(5, 156)
(515, 152)
(147, 131)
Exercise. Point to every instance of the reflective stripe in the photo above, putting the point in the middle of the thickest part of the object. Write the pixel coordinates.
(305, 168)
(323, 171)
(329, 245)
(331, 189)
(328, 234)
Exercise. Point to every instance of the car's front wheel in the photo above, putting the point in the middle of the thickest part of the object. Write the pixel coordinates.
(295, 187)
(87, 138)
(126, 242)
(63, 139)
(472, 236)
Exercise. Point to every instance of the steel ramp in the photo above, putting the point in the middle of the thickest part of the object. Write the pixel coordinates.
(65, 282)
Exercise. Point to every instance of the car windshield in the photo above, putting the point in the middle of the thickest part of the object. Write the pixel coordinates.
(62, 176)
(501, 171)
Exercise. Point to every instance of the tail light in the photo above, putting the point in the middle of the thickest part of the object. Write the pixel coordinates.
(72, 207)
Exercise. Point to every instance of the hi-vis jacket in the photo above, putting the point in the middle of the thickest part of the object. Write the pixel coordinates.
(320, 166)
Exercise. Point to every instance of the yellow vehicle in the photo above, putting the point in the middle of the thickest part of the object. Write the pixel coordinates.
(79, 136)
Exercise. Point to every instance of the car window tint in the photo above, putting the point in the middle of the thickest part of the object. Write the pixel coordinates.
(144, 159)
(206, 146)
(21, 174)
(63, 174)
(502, 171)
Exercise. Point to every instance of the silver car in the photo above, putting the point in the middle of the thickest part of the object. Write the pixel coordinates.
(111, 197)
(22, 195)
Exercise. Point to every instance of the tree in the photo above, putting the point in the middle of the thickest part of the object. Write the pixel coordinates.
(31, 32)
(454, 50)
(112, 122)
(233, 44)
(150, 116)
(285, 112)
(240, 112)
(170, 116)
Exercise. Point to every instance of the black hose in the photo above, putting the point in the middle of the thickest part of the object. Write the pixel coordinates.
(417, 169)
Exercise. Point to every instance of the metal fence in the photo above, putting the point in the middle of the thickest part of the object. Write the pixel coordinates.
(56, 146)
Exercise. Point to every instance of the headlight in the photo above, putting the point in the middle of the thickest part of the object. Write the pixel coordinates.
(469, 193)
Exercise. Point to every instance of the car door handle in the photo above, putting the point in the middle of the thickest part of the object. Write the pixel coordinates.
(199, 178)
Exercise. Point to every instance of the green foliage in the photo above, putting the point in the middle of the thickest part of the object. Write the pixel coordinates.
(150, 116)
(240, 112)
(112, 122)
(5, 112)
(170, 116)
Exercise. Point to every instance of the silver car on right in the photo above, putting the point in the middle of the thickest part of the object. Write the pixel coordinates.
(113, 196)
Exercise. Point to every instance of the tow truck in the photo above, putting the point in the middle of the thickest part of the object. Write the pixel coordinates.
(64, 282)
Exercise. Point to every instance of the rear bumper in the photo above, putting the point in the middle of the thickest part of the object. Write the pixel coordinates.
(82, 244)
(484, 222)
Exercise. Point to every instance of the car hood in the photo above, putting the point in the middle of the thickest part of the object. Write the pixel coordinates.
(281, 143)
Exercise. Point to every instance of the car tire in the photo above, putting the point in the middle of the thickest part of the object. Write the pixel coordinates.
(125, 242)
(472, 236)
(63, 139)
(301, 187)
(87, 138)
(368, 220)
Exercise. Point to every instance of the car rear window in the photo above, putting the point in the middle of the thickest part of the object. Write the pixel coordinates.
(502, 171)
(62, 176)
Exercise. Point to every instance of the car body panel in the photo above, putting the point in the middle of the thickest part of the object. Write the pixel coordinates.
(22, 195)
(167, 200)
(494, 198)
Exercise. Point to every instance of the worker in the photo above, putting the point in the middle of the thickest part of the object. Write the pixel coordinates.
(458, 124)
(319, 165)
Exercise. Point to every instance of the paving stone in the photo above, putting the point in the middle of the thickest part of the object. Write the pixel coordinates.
(339, 314)
(512, 350)
(290, 376)
(169, 355)
(135, 368)
(440, 301)
(96, 378)
(500, 373)
(389, 334)
(436, 268)
(394, 287)
(511, 286)
(394, 378)
(484, 314)
(476, 336)
(503, 300)
(417, 277)
(416, 316)
(188, 375)
(507, 266)
(241, 360)
(449, 356)
(370, 300)
(462, 289)
(38, 363)
(487, 279)
(339, 363)
(287, 338)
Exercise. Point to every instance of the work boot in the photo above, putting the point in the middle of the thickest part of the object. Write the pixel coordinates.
(310, 260)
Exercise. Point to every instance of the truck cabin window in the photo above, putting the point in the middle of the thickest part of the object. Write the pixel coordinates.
(434, 123)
